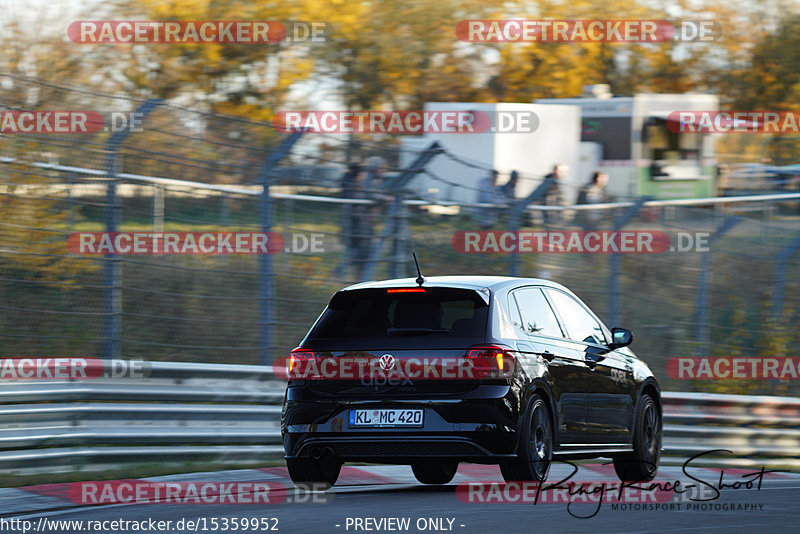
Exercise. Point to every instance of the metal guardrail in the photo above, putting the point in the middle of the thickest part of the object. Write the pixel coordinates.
(757, 429)
(231, 414)
(257, 190)
(179, 412)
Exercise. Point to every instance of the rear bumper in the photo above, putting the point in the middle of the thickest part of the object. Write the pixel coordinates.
(398, 449)
(481, 429)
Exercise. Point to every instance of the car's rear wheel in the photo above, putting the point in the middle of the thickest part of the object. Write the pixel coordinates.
(311, 474)
(535, 446)
(641, 465)
(434, 472)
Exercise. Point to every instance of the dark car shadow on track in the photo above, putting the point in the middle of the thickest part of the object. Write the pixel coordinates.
(384, 488)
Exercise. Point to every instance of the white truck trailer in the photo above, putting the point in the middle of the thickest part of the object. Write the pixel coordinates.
(631, 141)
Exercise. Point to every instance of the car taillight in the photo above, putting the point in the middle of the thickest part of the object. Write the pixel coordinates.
(299, 362)
(493, 360)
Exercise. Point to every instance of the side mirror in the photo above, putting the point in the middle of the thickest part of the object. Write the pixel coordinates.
(620, 337)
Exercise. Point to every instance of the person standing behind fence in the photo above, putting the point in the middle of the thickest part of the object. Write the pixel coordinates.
(369, 186)
(594, 192)
(554, 195)
(488, 193)
(349, 215)
(509, 189)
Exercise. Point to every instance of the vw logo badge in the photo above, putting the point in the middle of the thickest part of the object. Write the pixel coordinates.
(387, 362)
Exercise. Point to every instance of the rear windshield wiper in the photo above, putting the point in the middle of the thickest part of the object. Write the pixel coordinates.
(415, 331)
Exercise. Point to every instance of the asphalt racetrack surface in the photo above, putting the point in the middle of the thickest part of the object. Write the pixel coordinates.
(387, 499)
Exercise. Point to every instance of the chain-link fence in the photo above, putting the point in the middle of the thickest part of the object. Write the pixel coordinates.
(347, 209)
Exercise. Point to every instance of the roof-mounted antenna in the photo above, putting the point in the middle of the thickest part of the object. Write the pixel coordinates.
(420, 280)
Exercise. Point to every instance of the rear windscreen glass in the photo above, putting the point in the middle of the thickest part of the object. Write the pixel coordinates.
(438, 317)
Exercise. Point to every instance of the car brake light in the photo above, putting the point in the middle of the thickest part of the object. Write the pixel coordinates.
(491, 359)
(298, 361)
(406, 290)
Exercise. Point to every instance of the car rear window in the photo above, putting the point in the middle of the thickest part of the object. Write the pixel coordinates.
(437, 317)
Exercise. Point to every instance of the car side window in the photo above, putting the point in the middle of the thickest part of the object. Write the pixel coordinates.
(516, 318)
(580, 324)
(537, 315)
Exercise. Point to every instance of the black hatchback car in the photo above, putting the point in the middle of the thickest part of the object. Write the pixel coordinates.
(495, 370)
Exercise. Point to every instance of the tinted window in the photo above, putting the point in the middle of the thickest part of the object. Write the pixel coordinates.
(537, 316)
(438, 317)
(580, 325)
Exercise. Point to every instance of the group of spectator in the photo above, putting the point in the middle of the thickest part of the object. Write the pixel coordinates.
(365, 181)
(593, 192)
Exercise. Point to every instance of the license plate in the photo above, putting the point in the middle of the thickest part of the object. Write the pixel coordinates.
(386, 418)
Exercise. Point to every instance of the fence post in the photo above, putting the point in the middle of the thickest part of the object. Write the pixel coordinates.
(518, 212)
(111, 266)
(265, 282)
(224, 209)
(780, 275)
(288, 228)
(400, 240)
(613, 262)
(767, 212)
(72, 204)
(158, 208)
(702, 328)
(396, 187)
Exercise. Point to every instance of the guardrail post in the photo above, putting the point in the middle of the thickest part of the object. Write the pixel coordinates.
(780, 275)
(613, 262)
(111, 266)
(702, 328)
(265, 282)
